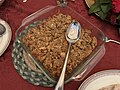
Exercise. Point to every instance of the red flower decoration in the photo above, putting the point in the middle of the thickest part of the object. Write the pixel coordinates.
(116, 6)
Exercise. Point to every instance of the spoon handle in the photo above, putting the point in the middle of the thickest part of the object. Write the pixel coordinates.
(60, 84)
(110, 40)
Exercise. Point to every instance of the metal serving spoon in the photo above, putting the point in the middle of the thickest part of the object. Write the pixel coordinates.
(2, 30)
(72, 35)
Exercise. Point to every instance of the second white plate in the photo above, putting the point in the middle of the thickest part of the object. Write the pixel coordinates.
(101, 79)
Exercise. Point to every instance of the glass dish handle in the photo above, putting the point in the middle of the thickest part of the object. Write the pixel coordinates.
(37, 14)
(80, 76)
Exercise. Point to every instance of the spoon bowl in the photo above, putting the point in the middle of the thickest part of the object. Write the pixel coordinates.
(72, 35)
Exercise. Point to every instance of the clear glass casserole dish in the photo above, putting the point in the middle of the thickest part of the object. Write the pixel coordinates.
(44, 13)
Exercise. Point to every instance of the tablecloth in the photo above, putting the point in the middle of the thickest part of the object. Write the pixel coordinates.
(14, 11)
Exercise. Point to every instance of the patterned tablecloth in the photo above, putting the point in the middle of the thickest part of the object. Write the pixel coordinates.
(14, 11)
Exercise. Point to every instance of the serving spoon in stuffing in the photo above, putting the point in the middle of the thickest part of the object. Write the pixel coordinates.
(72, 35)
(2, 30)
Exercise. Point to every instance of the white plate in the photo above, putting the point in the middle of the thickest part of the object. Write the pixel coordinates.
(101, 79)
(6, 38)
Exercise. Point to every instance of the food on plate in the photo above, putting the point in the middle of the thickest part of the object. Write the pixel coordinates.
(111, 87)
(47, 43)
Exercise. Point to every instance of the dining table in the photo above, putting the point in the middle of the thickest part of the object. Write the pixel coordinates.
(14, 11)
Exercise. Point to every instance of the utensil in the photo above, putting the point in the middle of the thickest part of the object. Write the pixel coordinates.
(24, 0)
(72, 35)
(2, 30)
(111, 40)
(107, 39)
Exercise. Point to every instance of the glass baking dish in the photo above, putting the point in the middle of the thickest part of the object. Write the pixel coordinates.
(49, 11)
